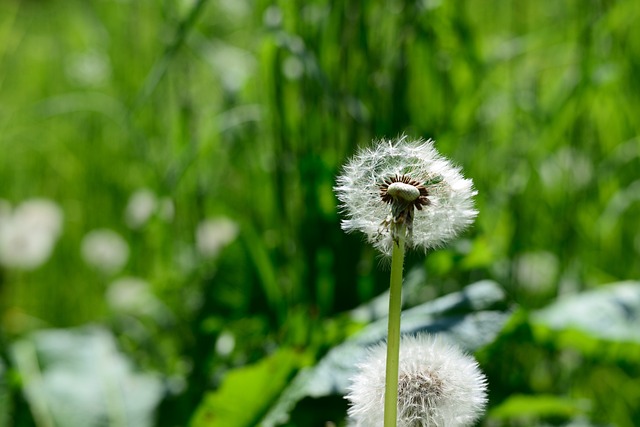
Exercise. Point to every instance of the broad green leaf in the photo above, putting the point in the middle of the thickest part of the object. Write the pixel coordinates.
(247, 392)
(608, 313)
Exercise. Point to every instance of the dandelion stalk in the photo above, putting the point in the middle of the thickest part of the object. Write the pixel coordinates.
(393, 335)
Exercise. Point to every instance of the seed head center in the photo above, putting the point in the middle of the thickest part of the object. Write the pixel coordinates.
(405, 192)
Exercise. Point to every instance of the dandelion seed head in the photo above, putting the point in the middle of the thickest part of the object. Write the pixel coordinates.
(438, 385)
(28, 234)
(396, 171)
(225, 344)
(105, 250)
(134, 296)
(213, 234)
(140, 207)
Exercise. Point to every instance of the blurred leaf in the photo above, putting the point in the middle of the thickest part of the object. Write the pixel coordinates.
(530, 408)
(247, 392)
(77, 377)
(481, 295)
(453, 315)
(480, 254)
(610, 313)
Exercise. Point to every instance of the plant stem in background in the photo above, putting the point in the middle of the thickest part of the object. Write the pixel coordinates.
(393, 334)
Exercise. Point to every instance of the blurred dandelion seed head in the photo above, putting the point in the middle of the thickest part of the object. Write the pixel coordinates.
(404, 182)
(89, 69)
(134, 296)
(128, 294)
(212, 235)
(105, 250)
(141, 206)
(29, 233)
(438, 385)
(225, 344)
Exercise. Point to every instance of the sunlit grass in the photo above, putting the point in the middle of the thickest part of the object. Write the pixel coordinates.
(246, 111)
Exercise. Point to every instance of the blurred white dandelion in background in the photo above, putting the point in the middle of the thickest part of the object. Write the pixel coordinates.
(225, 344)
(91, 68)
(105, 250)
(537, 271)
(28, 234)
(213, 234)
(127, 294)
(141, 206)
(134, 296)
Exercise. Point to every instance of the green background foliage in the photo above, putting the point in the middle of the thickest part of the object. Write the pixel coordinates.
(247, 109)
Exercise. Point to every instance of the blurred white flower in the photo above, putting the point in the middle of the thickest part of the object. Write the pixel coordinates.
(272, 17)
(569, 166)
(40, 214)
(133, 295)
(28, 235)
(537, 271)
(406, 182)
(438, 385)
(292, 67)
(225, 344)
(92, 68)
(214, 234)
(234, 65)
(105, 250)
(142, 204)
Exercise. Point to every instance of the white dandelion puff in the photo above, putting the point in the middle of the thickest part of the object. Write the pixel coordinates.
(141, 206)
(129, 294)
(134, 296)
(28, 234)
(438, 385)
(105, 250)
(41, 214)
(405, 182)
(225, 344)
(212, 235)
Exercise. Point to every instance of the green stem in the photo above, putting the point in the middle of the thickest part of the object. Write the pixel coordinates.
(393, 335)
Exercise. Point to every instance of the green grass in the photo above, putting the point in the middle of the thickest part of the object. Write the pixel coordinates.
(248, 110)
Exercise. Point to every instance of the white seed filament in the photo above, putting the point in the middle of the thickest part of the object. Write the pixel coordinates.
(405, 192)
